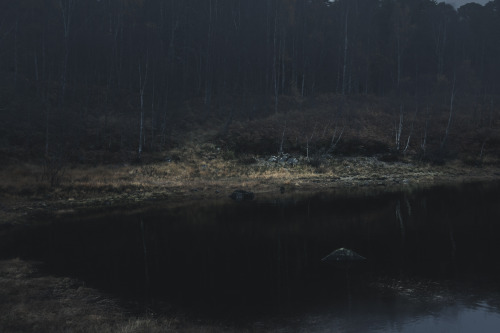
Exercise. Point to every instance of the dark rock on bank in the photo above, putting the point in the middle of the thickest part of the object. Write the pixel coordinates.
(240, 195)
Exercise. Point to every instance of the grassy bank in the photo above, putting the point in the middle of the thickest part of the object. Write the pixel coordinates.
(312, 144)
(32, 301)
(205, 171)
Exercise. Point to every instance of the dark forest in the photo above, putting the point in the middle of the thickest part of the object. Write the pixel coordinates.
(128, 77)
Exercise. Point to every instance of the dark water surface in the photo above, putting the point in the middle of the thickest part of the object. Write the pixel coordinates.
(433, 259)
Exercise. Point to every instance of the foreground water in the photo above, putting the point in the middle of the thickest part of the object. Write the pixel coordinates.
(432, 259)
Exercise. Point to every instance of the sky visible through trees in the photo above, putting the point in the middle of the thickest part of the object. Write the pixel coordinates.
(460, 3)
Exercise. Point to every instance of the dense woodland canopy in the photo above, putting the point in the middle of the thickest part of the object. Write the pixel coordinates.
(106, 74)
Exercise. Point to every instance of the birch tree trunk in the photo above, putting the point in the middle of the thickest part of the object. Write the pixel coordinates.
(142, 84)
(344, 70)
(399, 129)
(208, 65)
(452, 99)
(16, 64)
(152, 118)
(275, 69)
(67, 8)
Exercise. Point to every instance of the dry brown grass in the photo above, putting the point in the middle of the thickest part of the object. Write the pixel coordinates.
(33, 302)
(205, 158)
(209, 171)
(207, 166)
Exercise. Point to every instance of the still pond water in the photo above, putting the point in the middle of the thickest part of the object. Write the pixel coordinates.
(433, 259)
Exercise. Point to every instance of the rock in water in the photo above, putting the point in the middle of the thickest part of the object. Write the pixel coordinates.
(240, 195)
(343, 255)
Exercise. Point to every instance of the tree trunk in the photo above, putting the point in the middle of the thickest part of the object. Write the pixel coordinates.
(142, 84)
(16, 64)
(67, 7)
(452, 99)
(208, 68)
(275, 69)
(344, 70)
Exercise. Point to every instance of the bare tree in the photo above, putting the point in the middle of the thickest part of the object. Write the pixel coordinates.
(67, 8)
(152, 117)
(452, 99)
(275, 65)
(405, 150)
(209, 66)
(346, 44)
(282, 140)
(440, 29)
(309, 139)
(335, 139)
(143, 77)
(16, 47)
(399, 128)
(423, 144)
